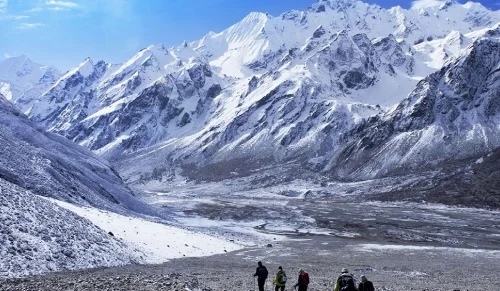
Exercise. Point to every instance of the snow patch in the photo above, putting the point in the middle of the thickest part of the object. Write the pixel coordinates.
(159, 242)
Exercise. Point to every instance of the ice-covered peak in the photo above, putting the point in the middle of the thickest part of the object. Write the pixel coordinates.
(256, 16)
(17, 59)
(85, 69)
(156, 48)
(425, 4)
(337, 4)
(17, 65)
(447, 4)
(474, 5)
(20, 74)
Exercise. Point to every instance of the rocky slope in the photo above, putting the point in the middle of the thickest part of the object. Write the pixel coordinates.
(51, 166)
(37, 236)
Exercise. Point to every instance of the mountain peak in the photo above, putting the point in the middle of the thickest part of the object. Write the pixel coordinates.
(256, 17)
(85, 68)
(19, 57)
(427, 4)
(335, 4)
(474, 5)
(18, 60)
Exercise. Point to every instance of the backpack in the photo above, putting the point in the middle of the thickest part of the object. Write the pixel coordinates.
(347, 283)
(263, 272)
(283, 279)
(305, 278)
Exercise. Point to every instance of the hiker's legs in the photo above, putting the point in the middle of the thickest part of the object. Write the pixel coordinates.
(278, 288)
(261, 284)
(302, 288)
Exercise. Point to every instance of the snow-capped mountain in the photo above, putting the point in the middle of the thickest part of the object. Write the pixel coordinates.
(271, 88)
(22, 80)
(453, 114)
(129, 106)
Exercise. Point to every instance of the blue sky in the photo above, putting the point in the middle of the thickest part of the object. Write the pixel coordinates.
(64, 32)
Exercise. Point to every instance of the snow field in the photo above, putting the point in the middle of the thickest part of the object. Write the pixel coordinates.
(159, 242)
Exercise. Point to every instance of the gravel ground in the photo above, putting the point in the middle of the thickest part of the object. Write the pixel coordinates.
(390, 268)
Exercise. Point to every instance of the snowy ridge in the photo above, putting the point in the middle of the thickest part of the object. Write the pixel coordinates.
(260, 35)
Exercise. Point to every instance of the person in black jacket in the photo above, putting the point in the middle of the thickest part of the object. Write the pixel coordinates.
(365, 285)
(261, 274)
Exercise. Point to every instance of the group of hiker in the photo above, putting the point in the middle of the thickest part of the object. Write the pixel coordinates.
(345, 282)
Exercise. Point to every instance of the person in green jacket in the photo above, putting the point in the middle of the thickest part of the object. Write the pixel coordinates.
(280, 280)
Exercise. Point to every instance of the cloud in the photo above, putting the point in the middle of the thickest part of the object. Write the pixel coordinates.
(7, 55)
(35, 25)
(4, 15)
(420, 4)
(14, 17)
(60, 5)
(3, 6)
(53, 5)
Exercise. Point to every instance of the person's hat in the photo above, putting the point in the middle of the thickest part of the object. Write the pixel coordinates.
(281, 268)
(301, 270)
(344, 270)
(363, 278)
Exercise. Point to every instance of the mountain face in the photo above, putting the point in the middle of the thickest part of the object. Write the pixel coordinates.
(268, 90)
(52, 166)
(130, 106)
(22, 80)
(452, 114)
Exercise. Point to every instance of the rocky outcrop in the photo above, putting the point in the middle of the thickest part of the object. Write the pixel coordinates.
(452, 114)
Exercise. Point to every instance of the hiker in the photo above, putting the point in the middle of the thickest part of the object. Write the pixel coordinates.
(303, 281)
(261, 274)
(280, 279)
(365, 285)
(345, 282)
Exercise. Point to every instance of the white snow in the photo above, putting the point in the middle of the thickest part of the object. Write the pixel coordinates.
(159, 242)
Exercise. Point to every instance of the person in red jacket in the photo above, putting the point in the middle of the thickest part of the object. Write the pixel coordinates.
(303, 281)
(365, 285)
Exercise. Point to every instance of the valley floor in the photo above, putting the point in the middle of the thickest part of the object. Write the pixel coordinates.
(398, 245)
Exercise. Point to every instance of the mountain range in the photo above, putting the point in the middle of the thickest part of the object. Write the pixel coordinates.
(328, 88)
